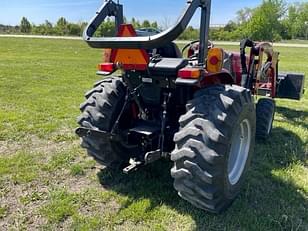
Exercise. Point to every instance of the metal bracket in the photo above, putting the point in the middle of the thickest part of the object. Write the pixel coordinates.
(134, 165)
(84, 132)
(153, 156)
(149, 158)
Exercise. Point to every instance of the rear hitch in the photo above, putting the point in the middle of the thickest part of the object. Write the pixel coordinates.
(134, 164)
(150, 132)
(149, 158)
(133, 167)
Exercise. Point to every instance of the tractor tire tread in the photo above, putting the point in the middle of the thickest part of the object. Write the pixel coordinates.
(201, 142)
(99, 112)
(265, 113)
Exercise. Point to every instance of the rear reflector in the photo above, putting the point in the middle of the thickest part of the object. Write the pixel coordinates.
(137, 67)
(215, 60)
(129, 59)
(106, 67)
(189, 73)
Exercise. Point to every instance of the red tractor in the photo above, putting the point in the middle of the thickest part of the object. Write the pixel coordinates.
(199, 111)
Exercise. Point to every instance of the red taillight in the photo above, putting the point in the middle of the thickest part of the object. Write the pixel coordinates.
(189, 73)
(106, 67)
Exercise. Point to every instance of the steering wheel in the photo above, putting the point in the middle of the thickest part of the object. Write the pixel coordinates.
(194, 47)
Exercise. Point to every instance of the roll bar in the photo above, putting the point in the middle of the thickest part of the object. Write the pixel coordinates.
(110, 8)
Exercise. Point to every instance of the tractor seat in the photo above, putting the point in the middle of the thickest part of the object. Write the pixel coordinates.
(171, 50)
(168, 62)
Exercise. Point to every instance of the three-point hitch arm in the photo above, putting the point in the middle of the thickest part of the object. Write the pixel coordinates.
(110, 8)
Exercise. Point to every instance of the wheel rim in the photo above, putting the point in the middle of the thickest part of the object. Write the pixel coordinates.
(238, 156)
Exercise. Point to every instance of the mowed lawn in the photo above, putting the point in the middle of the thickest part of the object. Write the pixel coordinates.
(47, 182)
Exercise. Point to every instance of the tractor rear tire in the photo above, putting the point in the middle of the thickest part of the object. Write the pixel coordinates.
(265, 112)
(99, 112)
(214, 146)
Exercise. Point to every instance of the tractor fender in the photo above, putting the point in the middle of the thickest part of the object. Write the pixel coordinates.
(222, 77)
(208, 79)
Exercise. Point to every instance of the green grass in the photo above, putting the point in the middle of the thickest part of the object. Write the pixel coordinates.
(61, 206)
(48, 182)
(296, 41)
(3, 212)
(21, 167)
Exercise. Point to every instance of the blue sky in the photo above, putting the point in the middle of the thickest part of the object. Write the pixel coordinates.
(37, 11)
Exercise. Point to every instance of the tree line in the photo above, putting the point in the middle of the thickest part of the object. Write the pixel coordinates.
(272, 20)
(65, 28)
(108, 29)
(61, 28)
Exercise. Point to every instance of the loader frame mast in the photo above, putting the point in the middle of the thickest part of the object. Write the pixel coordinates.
(204, 35)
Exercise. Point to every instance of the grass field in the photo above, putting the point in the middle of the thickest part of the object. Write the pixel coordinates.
(48, 183)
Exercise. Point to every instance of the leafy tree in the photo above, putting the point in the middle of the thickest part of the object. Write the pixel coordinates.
(244, 15)
(146, 23)
(74, 29)
(25, 25)
(154, 24)
(265, 22)
(272, 20)
(6, 29)
(62, 26)
(135, 23)
(82, 26)
(296, 22)
(190, 34)
(231, 26)
(43, 29)
(48, 28)
(106, 29)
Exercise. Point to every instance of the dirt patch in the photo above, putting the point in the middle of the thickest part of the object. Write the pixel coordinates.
(75, 184)
(7, 147)
(34, 144)
(23, 203)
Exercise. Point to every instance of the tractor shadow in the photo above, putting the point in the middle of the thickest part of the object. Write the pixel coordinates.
(268, 199)
(293, 116)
